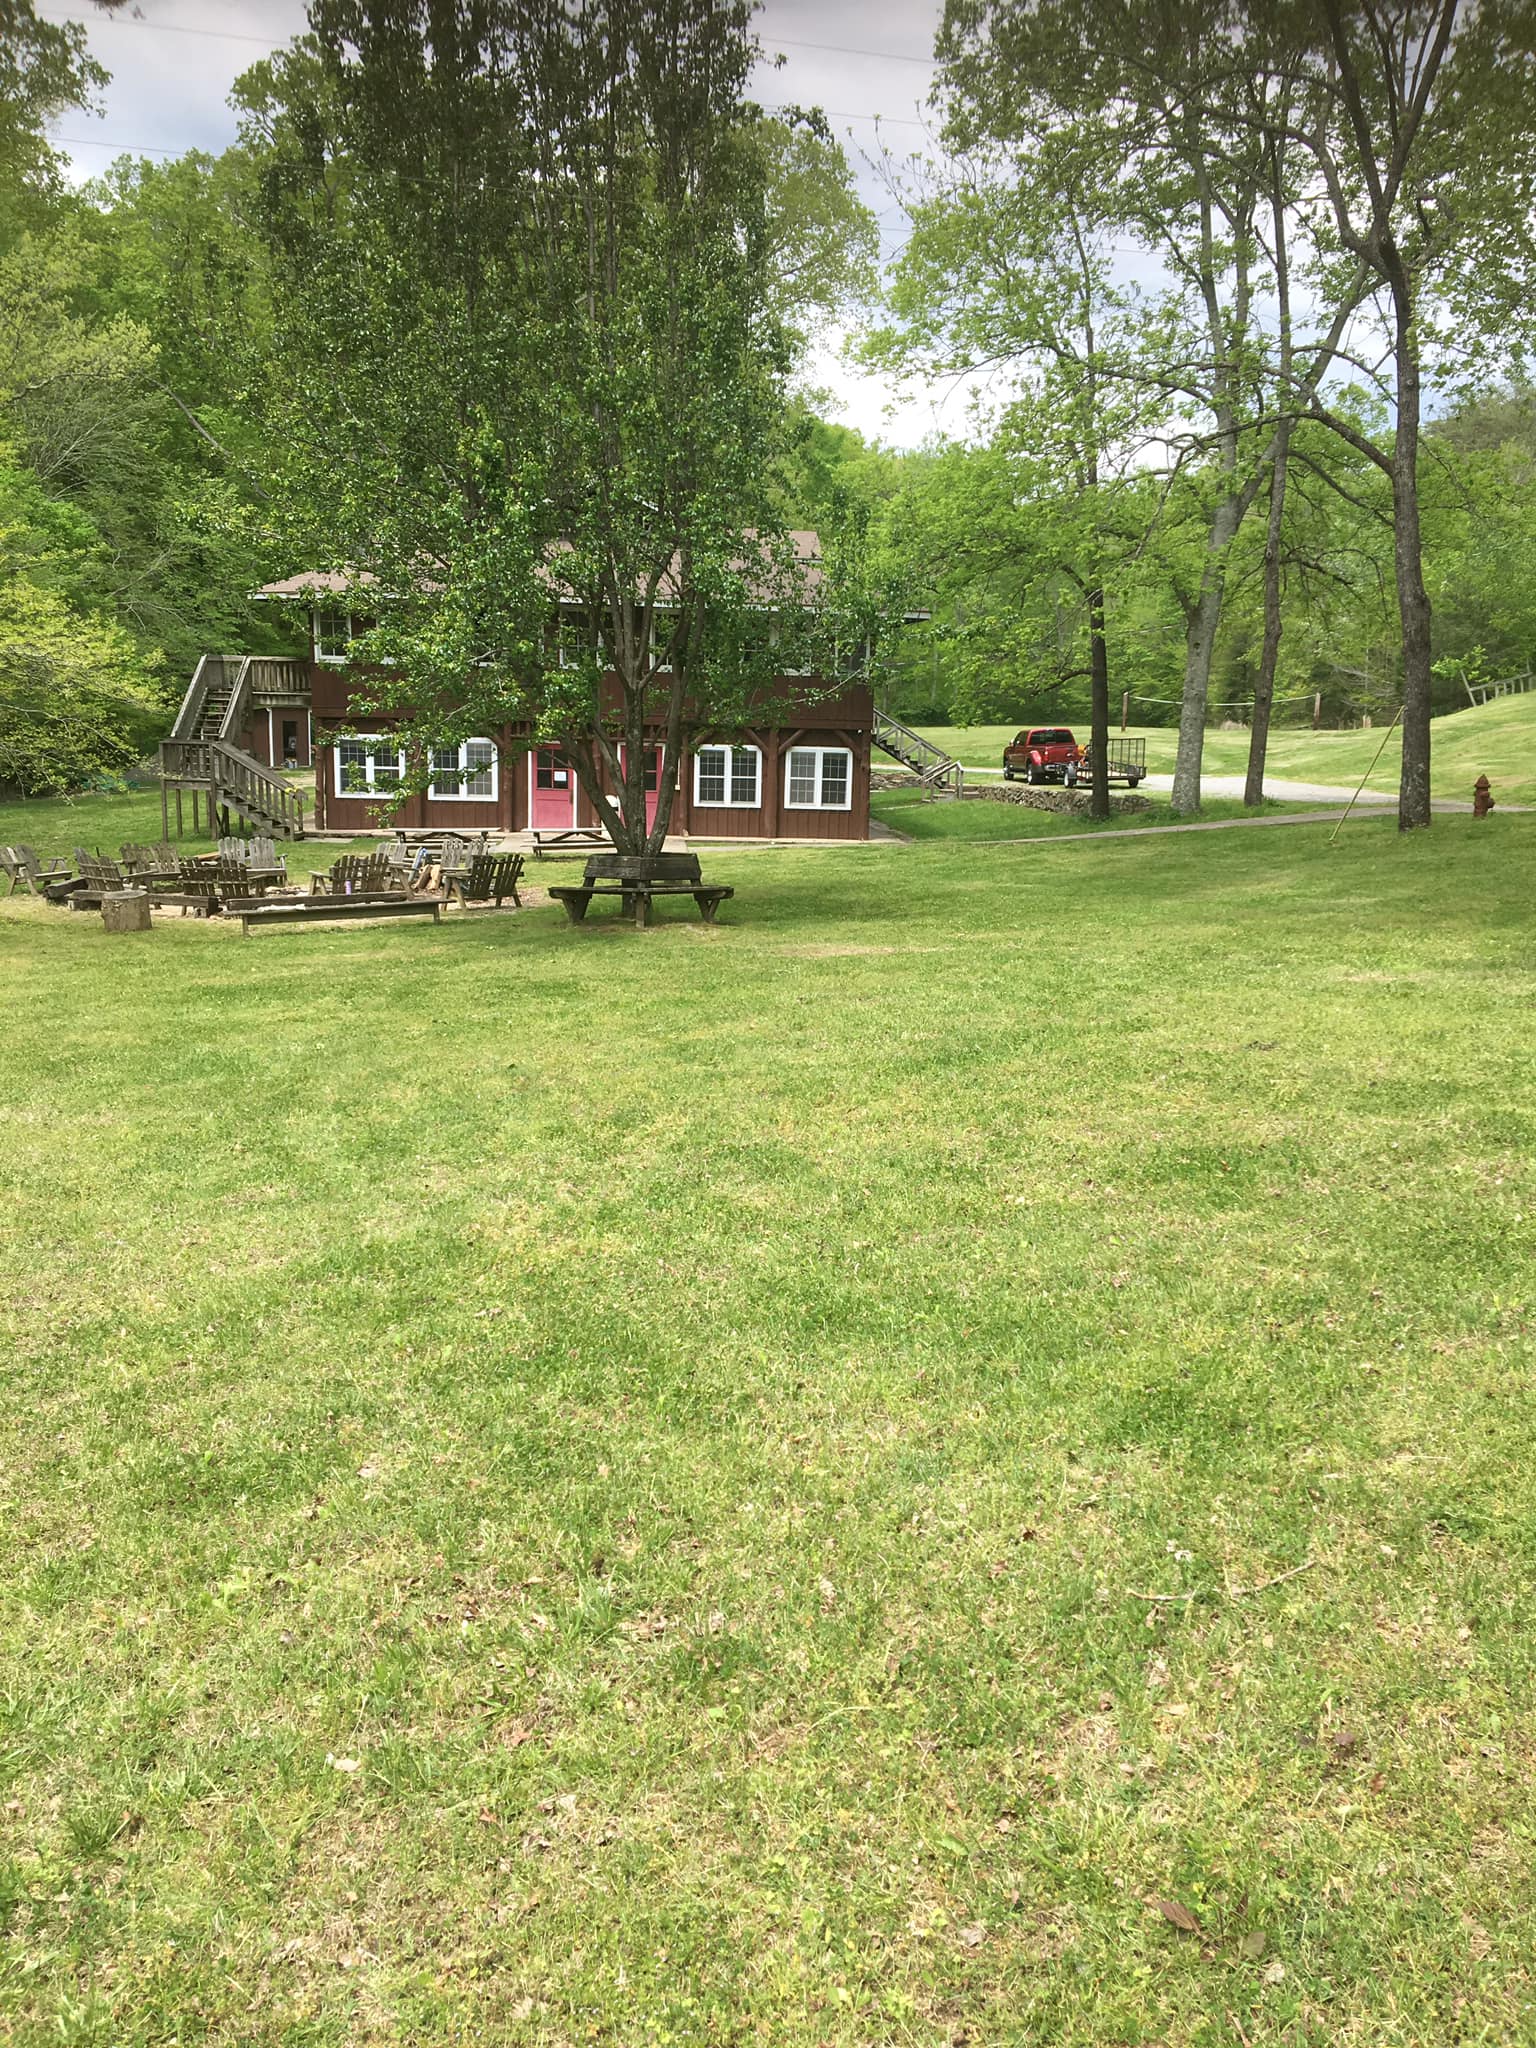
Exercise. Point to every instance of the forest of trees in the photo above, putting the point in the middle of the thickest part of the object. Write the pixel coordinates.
(1244, 294)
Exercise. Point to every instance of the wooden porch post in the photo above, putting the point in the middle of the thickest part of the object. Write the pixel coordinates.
(773, 794)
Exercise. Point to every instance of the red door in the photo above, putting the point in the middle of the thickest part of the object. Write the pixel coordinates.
(552, 791)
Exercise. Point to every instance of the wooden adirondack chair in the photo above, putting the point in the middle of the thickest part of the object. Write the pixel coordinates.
(22, 864)
(359, 874)
(264, 858)
(488, 876)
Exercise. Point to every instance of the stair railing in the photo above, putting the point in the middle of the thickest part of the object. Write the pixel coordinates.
(190, 714)
(237, 709)
(234, 779)
(934, 768)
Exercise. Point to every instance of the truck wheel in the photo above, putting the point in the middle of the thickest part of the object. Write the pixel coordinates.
(1030, 776)
(1007, 773)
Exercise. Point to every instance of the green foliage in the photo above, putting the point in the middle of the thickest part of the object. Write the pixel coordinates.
(78, 697)
(45, 69)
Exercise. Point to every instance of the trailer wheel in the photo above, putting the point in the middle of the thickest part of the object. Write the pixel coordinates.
(1069, 777)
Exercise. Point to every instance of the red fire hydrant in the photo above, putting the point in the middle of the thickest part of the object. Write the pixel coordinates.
(1482, 797)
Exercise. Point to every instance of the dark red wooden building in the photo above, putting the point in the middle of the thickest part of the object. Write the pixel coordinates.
(798, 770)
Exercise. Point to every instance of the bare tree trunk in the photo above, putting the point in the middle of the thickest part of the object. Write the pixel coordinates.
(1200, 647)
(1205, 619)
(1098, 704)
(1413, 805)
(1264, 689)
(1269, 659)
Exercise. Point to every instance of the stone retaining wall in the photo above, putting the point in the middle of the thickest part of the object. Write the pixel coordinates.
(1046, 797)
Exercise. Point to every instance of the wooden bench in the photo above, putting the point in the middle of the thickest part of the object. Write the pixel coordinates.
(326, 909)
(637, 879)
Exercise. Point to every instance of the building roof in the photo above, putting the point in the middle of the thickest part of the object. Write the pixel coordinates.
(315, 583)
(334, 582)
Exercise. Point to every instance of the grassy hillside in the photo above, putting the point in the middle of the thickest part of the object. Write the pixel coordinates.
(920, 817)
(783, 1483)
(1497, 739)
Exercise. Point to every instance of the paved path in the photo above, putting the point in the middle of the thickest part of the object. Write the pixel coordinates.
(1287, 792)
(1163, 831)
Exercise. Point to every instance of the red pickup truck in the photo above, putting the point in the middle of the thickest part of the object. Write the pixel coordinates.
(1043, 753)
(1049, 753)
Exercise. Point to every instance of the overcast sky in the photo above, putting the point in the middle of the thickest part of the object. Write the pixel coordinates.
(173, 62)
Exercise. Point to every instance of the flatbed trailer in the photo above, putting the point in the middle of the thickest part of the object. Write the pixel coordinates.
(1127, 760)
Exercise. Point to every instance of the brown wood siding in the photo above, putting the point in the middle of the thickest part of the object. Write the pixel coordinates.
(772, 819)
(263, 736)
(850, 824)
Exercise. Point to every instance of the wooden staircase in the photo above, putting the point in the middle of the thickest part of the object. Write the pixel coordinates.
(201, 754)
(934, 768)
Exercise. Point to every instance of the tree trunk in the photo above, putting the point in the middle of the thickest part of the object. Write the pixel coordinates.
(1264, 689)
(1098, 704)
(1413, 810)
(1200, 647)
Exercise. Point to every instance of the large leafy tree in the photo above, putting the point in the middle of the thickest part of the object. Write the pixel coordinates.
(1013, 274)
(1417, 118)
(534, 310)
(1131, 86)
(45, 69)
(78, 697)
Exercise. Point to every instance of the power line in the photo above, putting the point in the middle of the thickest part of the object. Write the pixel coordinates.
(123, 148)
(844, 50)
(176, 28)
(229, 35)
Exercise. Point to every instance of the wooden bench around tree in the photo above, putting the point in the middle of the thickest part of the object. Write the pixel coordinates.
(637, 879)
(259, 910)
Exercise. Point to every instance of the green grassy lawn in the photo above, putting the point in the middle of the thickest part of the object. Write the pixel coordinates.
(1497, 739)
(783, 1483)
(922, 817)
(101, 824)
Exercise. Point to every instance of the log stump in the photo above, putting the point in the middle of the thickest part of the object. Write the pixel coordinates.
(126, 911)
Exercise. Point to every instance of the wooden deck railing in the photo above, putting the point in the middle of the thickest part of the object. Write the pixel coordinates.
(232, 781)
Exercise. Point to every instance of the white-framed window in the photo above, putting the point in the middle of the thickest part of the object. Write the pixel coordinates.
(466, 773)
(333, 636)
(370, 764)
(819, 779)
(574, 641)
(728, 778)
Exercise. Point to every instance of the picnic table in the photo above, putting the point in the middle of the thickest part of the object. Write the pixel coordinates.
(637, 879)
(566, 835)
